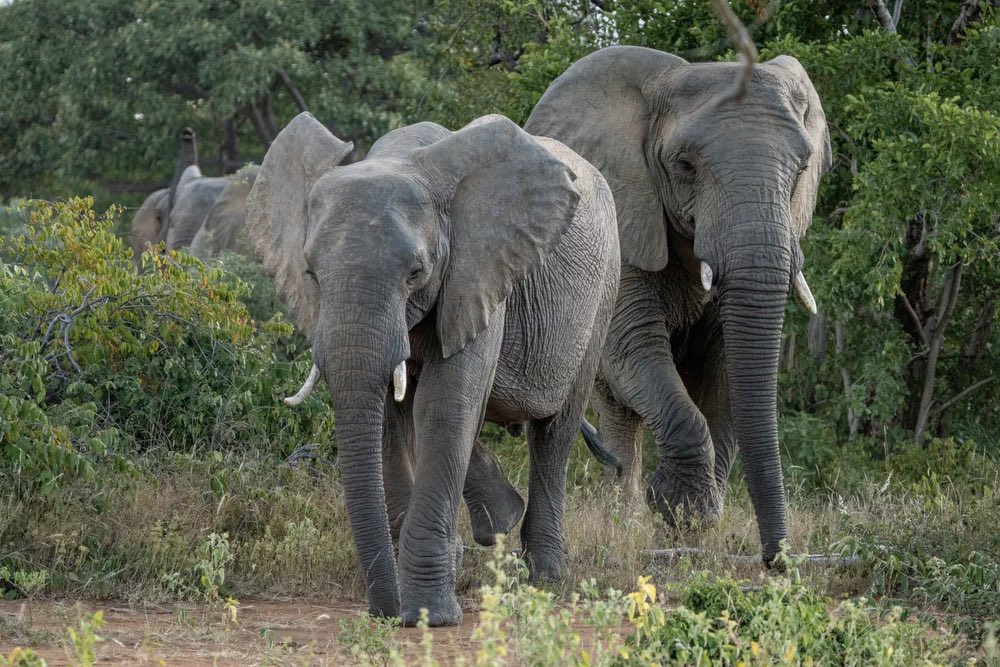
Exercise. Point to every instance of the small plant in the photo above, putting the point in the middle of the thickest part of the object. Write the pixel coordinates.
(24, 583)
(85, 639)
(22, 657)
(371, 640)
(207, 578)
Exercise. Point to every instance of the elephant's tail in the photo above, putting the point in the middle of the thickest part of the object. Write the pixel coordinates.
(596, 447)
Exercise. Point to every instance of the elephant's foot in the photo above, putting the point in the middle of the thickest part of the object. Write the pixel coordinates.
(684, 502)
(545, 565)
(442, 610)
(494, 505)
(499, 517)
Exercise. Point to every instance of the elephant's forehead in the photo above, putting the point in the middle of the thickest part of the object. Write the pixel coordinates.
(693, 85)
(370, 185)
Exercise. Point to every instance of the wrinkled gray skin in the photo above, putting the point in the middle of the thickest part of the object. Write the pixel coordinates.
(732, 185)
(488, 261)
(224, 226)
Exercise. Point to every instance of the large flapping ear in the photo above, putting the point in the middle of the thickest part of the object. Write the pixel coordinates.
(597, 108)
(508, 201)
(820, 160)
(276, 209)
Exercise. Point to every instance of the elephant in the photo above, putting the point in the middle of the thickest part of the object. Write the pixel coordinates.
(224, 224)
(475, 272)
(174, 215)
(713, 196)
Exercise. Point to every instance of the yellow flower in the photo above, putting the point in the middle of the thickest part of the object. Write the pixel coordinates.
(754, 649)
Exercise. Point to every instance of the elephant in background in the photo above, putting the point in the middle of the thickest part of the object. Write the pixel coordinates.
(224, 226)
(174, 215)
(474, 272)
(713, 197)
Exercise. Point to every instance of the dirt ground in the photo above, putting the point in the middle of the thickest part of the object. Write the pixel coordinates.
(271, 632)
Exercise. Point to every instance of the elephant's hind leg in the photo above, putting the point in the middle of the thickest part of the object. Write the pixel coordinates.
(621, 429)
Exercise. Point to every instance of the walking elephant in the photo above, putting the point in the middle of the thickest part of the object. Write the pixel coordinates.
(224, 226)
(474, 272)
(713, 196)
(176, 214)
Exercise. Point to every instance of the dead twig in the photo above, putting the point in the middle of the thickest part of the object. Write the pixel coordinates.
(740, 38)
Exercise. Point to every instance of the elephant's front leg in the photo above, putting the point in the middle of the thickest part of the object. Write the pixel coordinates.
(640, 371)
(707, 381)
(397, 460)
(449, 407)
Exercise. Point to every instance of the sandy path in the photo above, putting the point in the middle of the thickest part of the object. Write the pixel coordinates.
(268, 632)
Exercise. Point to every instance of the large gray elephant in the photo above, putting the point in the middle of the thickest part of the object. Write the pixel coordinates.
(713, 197)
(475, 272)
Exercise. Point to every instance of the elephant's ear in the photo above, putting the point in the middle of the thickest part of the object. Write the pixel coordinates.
(276, 208)
(597, 108)
(820, 160)
(507, 201)
(147, 225)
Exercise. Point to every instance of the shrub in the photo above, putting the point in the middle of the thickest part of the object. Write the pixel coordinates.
(97, 361)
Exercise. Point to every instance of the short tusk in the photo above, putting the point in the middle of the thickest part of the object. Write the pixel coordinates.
(307, 388)
(804, 293)
(399, 382)
(706, 276)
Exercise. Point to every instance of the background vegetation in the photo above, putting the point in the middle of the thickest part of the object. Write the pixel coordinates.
(139, 415)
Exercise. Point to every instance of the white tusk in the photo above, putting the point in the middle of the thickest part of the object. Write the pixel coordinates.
(804, 293)
(307, 388)
(706, 276)
(399, 382)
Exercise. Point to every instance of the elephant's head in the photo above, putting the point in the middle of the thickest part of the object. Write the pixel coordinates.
(149, 223)
(224, 227)
(726, 190)
(430, 223)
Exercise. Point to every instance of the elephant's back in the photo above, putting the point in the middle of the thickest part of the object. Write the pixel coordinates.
(554, 315)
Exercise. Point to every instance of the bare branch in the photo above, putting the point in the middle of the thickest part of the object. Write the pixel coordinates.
(959, 396)
(916, 319)
(968, 15)
(296, 96)
(946, 306)
(740, 39)
(897, 8)
(882, 15)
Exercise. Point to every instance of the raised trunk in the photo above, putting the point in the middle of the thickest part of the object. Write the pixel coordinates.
(357, 355)
(753, 293)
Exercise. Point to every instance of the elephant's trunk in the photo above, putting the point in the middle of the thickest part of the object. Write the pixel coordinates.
(753, 291)
(358, 353)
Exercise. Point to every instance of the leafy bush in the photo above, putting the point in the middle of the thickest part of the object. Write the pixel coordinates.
(97, 361)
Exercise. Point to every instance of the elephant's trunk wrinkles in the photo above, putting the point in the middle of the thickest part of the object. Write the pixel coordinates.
(357, 354)
(753, 293)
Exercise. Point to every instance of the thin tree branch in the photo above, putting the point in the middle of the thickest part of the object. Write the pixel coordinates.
(296, 96)
(740, 39)
(959, 396)
(895, 12)
(882, 15)
(916, 319)
(946, 306)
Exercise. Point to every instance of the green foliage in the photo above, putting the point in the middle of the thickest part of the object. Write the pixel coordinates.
(98, 362)
(85, 639)
(207, 578)
(371, 640)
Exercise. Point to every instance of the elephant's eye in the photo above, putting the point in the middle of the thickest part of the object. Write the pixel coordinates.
(684, 168)
(416, 273)
(312, 276)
